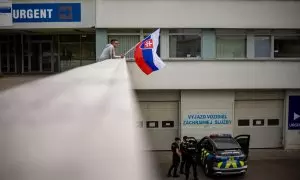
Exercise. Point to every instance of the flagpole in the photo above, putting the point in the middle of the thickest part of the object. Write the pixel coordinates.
(134, 46)
(130, 49)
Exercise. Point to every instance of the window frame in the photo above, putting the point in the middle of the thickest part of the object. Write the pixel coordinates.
(141, 34)
(283, 34)
(232, 58)
(231, 33)
(199, 33)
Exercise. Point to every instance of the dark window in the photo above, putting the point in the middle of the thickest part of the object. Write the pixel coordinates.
(88, 38)
(273, 122)
(69, 38)
(243, 122)
(41, 37)
(287, 47)
(258, 122)
(152, 124)
(167, 124)
(185, 43)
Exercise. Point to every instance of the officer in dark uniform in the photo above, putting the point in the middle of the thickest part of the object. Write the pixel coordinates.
(191, 158)
(183, 153)
(175, 158)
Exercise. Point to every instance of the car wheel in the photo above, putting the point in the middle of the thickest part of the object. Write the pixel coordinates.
(207, 169)
(243, 174)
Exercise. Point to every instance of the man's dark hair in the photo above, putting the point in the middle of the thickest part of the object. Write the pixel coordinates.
(184, 137)
(113, 40)
(177, 139)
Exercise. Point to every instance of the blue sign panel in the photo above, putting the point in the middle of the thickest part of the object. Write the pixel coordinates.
(46, 12)
(294, 113)
(4, 10)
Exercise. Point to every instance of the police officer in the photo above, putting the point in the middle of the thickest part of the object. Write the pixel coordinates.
(183, 153)
(191, 158)
(175, 158)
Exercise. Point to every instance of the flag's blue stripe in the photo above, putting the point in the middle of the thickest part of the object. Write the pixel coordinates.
(5, 9)
(148, 56)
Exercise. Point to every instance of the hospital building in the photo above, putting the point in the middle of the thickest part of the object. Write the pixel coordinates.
(231, 66)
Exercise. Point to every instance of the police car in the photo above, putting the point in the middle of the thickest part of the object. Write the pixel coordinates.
(223, 154)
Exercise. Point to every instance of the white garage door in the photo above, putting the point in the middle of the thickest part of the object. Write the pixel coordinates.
(261, 119)
(160, 120)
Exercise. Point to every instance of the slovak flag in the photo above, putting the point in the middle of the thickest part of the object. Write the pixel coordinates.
(145, 54)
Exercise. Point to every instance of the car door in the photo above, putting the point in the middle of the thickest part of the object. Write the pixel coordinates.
(244, 141)
(200, 146)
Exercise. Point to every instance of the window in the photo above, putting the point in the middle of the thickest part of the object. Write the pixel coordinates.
(126, 43)
(69, 56)
(88, 38)
(88, 49)
(286, 46)
(273, 122)
(185, 43)
(243, 122)
(262, 46)
(69, 38)
(231, 46)
(258, 122)
(88, 53)
(77, 50)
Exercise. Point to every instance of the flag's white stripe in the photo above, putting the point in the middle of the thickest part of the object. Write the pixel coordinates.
(157, 61)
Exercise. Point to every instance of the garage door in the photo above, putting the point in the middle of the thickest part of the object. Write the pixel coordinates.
(262, 119)
(160, 120)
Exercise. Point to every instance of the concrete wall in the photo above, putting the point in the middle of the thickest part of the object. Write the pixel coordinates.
(88, 17)
(292, 137)
(197, 13)
(199, 74)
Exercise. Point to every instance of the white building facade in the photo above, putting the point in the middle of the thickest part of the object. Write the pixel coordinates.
(232, 66)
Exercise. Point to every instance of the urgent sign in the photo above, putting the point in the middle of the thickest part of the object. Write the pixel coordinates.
(46, 12)
(32, 13)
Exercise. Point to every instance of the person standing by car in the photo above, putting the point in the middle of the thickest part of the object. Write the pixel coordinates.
(183, 154)
(191, 158)
(175, 158)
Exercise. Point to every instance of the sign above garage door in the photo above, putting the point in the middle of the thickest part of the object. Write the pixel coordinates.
(294, 113)
(207, 119)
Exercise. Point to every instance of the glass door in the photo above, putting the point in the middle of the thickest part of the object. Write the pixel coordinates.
(7, 57)
(40, 58)
(46, 57)
(34, 62)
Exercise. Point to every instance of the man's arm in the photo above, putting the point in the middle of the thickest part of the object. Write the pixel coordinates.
(113, 54)
(178, 152)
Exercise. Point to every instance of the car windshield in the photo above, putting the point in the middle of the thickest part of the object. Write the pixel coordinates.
(226, 143)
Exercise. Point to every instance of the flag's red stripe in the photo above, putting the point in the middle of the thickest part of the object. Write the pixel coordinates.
(140, 61)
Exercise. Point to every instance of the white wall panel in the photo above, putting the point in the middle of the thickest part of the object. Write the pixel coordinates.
(219, 75)
(197, 13)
